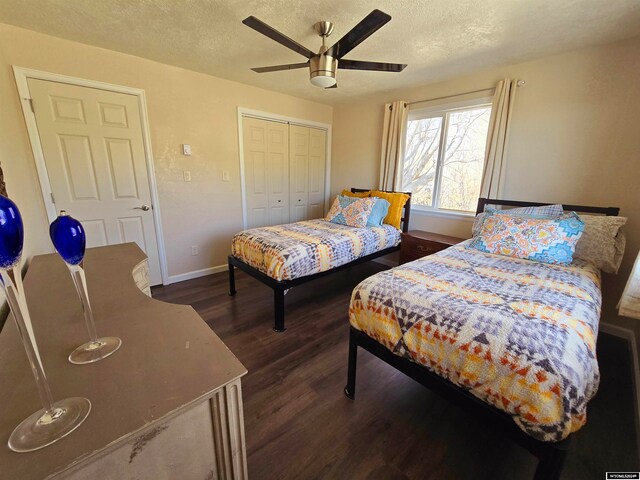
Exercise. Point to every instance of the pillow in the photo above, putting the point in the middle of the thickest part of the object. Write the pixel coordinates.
(602, 242)
(379, 211)
(397, 201)
(350, 211)
(349, 193)
(548, 211)
(546, 240)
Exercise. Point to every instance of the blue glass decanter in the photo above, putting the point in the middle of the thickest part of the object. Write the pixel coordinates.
(56, 419)
(70, 241)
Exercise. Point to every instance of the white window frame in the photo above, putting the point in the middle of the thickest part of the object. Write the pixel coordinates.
(434, 109)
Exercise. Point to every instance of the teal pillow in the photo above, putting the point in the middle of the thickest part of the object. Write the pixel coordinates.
(379, 211)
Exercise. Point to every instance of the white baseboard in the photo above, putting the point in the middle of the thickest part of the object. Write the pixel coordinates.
(631, 338)
(197, 273)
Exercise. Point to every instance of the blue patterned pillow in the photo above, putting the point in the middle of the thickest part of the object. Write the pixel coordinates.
(546, 240)
(546, 211)
(351, 211)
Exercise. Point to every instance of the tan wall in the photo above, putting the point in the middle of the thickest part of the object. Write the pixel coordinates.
(575, 137)
(183, 106)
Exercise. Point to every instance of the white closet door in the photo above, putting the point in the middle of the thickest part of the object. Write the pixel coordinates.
(299, 161)
(317, 151)
(278, 173)
(266, 170)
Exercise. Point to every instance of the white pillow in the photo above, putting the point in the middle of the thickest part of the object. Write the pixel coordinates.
(602, 242)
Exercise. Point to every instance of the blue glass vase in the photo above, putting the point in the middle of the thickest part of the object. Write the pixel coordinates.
(56, 419)
(70, 241)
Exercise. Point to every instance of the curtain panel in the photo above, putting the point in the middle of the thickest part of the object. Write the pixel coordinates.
(395, 121)
(498, 138)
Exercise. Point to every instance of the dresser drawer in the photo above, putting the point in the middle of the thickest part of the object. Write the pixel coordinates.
(417, 244)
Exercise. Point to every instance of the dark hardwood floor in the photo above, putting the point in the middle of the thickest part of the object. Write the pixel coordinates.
(299, 425)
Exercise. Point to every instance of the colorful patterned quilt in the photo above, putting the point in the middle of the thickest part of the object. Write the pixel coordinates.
(295, 250)
(519, 335)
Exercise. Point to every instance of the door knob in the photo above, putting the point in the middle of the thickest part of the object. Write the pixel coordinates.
(279, 201)
(144, 208)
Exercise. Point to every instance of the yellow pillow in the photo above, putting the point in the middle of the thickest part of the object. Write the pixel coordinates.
(349, 193)
(397, 201)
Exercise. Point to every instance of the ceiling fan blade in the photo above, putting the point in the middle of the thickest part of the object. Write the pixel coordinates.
(358, 34)
(377, 66)
(278, 68)
(273, 34)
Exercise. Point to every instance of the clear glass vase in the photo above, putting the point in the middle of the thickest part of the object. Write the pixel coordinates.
(96, 348)
(54, 420)
(69, 239)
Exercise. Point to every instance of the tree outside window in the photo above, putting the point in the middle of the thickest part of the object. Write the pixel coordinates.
(444, 157)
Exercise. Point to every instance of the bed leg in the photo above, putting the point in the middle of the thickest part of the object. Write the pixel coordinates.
(232, 280)
(350, 388)
(550, 465)
(278, 303)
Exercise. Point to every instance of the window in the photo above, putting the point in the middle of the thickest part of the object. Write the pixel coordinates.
(444, 155)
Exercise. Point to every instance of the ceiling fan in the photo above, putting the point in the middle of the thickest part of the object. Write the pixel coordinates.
(323, 65)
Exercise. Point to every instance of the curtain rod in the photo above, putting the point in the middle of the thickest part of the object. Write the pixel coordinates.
(519, 83)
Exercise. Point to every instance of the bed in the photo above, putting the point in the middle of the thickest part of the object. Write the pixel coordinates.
(285, 256)
(508, 339)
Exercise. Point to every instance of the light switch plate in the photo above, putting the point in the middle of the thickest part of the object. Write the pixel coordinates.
(186, 149)
(225, 176)
(187, 175)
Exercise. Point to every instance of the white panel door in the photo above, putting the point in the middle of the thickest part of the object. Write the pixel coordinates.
(94, 154)
(299, 177)
(317, 153)
(278, 173)
(266, 171)
(255, 133)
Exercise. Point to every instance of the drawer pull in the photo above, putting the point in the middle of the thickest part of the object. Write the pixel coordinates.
(424, 249)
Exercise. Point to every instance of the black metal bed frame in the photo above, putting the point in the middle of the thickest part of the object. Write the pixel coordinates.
(550, 455)
(280, 287)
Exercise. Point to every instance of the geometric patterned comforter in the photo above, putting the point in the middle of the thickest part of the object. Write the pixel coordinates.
(295, 250)
(519, 335)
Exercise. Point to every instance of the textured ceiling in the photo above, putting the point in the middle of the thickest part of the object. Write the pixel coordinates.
(438, 39)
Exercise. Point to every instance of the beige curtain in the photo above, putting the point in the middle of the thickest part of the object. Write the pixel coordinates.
(395, 121)
(497, 138)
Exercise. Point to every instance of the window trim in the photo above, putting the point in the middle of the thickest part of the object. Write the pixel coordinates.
(442, 213)
(442, 109)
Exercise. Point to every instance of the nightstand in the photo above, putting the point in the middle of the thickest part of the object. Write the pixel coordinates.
(417, 244)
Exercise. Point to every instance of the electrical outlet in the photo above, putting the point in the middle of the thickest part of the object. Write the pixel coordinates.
(186, 149)
(195, 250)
(225, 176)
(187, 175)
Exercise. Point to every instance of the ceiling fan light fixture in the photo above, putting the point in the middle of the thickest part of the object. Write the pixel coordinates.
(323, 71)
(323, 81)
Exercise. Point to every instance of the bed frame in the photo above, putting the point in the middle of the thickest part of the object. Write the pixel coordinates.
(550, 455)
(281, 287)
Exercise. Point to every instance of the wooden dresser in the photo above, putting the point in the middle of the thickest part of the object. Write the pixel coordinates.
(417, 244)
(167, 405)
